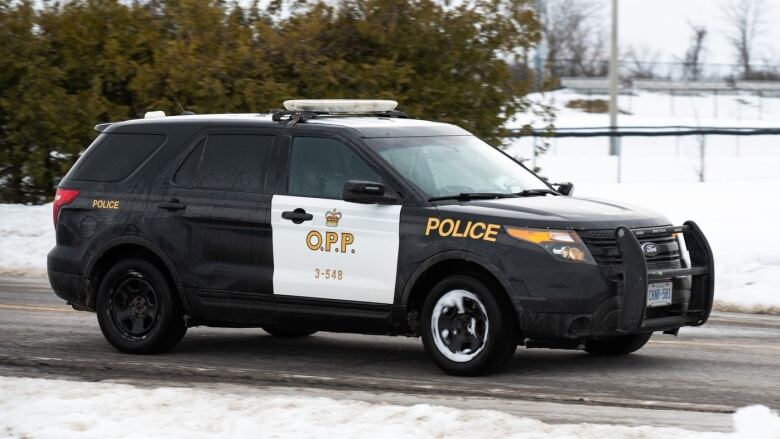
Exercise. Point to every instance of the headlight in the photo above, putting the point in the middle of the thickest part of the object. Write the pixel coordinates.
(565, 245)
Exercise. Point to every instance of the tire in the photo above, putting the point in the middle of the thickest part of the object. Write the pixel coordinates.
(489, 336)
(619, 345)
(288, 333)
(137, 310)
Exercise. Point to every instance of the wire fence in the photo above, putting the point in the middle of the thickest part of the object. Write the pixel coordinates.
(751, 94)
(654, 69)
(655, 152)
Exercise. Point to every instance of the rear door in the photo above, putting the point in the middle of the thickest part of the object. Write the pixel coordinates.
(213, 217)
(324, 247)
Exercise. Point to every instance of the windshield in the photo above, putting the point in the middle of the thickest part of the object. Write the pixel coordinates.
(451, 165)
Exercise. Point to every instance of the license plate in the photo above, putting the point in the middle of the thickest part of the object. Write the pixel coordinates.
(659, 294)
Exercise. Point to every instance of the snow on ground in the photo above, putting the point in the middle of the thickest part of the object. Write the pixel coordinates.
(26, 236)
(663, 109)
(43, 408)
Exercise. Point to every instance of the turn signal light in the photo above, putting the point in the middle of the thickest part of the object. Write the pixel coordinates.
(565, 245)
(62, 198)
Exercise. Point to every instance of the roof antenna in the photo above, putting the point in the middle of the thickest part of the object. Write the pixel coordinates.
(183, 111)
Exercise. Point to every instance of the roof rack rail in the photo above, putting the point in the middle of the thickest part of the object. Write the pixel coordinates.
(304, 115)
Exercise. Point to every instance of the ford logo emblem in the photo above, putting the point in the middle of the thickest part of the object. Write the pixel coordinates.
(650, 248)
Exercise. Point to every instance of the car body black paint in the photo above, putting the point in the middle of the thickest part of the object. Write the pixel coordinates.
(218, 247)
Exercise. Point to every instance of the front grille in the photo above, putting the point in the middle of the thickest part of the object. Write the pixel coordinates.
(603, 247)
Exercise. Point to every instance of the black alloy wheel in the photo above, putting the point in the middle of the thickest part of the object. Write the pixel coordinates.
(134, 306)
(138, 310)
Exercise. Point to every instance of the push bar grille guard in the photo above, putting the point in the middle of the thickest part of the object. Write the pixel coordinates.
(636, 278)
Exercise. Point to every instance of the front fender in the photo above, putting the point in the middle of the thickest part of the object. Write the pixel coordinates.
(456, 255)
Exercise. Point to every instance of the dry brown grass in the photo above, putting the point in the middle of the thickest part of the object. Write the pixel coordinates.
(756, 309)
(591, 105)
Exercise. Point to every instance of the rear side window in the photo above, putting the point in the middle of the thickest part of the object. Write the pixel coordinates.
(116, 156)
(236, 162)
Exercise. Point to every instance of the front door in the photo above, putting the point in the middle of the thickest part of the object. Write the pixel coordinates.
(327, 248)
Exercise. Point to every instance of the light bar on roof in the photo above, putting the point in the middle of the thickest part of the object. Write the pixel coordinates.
(154, 114)
(341, 105)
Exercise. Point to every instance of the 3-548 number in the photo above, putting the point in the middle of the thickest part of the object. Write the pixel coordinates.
(328, 274)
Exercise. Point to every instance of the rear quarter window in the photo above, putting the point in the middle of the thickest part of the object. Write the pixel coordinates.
(115, 156)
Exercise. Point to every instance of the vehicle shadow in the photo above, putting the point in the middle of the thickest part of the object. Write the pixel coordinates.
(339, 354)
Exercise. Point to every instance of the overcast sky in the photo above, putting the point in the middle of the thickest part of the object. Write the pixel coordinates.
(662, 26)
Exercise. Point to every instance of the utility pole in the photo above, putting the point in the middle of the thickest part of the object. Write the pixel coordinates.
(614, 142)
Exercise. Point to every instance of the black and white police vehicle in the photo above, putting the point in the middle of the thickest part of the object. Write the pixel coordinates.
(346, 216)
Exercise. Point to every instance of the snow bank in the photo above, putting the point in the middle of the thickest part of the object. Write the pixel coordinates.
(42, 408)
(26, 236)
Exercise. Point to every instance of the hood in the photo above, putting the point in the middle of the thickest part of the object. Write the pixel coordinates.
(557, 212)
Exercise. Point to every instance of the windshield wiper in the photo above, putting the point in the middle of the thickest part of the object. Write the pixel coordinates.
(535, 192)
(466, 196)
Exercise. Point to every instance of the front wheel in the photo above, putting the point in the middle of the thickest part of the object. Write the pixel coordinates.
(465, 330)
(618, 345)
(137, 310)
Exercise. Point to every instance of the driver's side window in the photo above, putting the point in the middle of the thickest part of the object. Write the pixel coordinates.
(319, 167)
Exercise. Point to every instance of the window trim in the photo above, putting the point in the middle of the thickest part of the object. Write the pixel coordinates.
(190, 151)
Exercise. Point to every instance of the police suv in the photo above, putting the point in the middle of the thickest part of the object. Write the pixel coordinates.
(344, 215)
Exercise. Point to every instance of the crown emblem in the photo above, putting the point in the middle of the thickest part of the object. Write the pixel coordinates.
(332, 218)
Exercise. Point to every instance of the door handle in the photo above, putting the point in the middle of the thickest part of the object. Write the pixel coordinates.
(297, 216)
(173, 204)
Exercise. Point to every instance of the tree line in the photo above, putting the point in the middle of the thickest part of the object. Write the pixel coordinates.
(65, 67)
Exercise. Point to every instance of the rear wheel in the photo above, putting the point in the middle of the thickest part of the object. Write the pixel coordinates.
(465, 330)
(137, 310)
(619, 345)
(287, 333)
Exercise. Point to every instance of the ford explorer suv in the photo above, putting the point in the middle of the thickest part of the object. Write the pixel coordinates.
(347, 216)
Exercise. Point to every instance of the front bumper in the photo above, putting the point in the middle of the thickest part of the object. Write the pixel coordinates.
(577, 301)
(633, 316)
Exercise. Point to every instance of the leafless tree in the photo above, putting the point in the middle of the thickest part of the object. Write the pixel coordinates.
(575, 38)
(642, 62)
(692, 63)
(746, 19)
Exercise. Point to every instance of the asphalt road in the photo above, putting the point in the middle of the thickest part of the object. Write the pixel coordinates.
(694, 380)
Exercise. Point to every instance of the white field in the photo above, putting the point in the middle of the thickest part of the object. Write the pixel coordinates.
(54, 409)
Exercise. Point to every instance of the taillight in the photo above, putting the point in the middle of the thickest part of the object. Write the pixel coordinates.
(61, 198)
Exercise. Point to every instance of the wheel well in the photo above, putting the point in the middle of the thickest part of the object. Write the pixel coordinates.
(443, 269)
(119, 253)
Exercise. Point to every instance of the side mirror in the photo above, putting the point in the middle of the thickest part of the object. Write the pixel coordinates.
(564, 188)
(368, 192)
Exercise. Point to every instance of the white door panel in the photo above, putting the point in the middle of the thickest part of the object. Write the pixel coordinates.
(350, 253)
